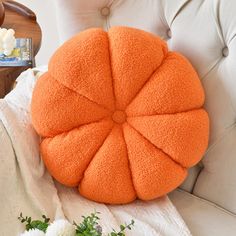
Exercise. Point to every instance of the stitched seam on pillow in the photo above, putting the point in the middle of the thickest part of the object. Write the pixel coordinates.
(148, 79)
(174, 113)
(129, 165)
(100, 105)
(176, 162)
(68, 131)
(96, 153)
(111, 68)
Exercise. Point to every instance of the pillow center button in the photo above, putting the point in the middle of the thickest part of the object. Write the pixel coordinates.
(119, 116)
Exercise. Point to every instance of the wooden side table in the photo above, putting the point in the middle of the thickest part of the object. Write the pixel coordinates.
(23, 21)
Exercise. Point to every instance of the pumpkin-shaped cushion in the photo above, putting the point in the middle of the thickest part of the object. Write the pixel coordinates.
(121, 116)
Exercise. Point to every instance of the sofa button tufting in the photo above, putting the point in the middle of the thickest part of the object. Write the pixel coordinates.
(169, 33)
(225, 51)
(105, 11)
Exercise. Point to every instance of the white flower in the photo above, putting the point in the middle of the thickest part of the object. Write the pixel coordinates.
(61, 228)
(33, 232)
(7, 41)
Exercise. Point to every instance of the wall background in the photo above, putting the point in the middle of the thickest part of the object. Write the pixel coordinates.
(45, 12)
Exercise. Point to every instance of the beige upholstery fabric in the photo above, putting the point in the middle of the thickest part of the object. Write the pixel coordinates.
(203, 217)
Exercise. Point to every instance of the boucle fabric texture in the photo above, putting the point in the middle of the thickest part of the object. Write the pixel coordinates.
(121, 116)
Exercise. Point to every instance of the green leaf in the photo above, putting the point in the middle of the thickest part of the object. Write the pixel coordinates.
(88, 227)
(37, 224)
(34, 224)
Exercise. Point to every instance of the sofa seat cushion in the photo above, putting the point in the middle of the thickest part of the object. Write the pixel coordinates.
(203, 217)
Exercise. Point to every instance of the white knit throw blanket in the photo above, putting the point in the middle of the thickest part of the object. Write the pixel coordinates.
(27, 187)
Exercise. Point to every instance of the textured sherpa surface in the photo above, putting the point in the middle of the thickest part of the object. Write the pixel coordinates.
(121, 116)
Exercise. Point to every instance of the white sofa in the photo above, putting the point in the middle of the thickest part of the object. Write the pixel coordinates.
(205, 32)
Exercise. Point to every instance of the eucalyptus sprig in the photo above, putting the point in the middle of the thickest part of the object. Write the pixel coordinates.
(88, 227)
(122, 229)
(35, 224)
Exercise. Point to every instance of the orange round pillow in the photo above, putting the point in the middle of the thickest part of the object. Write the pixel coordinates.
(121, 116)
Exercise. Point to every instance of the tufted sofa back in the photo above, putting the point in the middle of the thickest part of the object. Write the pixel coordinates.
(205, 32)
